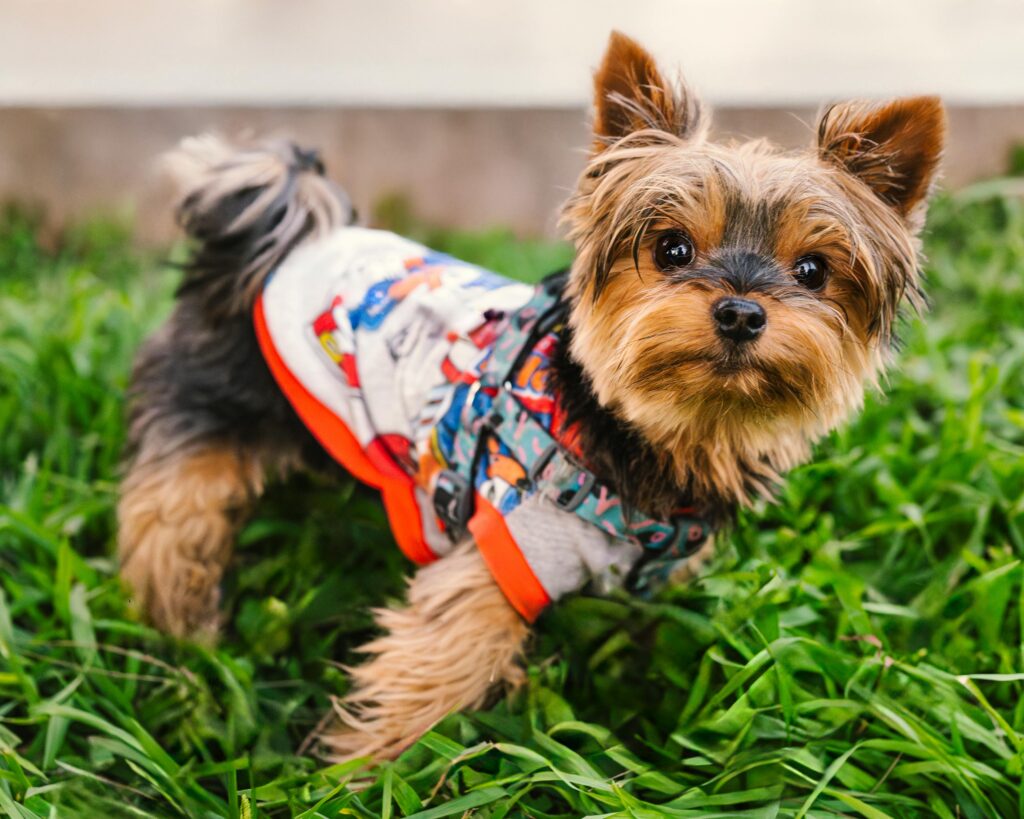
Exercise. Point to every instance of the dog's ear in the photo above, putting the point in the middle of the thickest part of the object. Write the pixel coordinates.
(630, 94)
(894, 148)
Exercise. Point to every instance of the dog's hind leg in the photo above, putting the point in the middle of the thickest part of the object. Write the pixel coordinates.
(206, 428)
(454, 643)
(178, 517)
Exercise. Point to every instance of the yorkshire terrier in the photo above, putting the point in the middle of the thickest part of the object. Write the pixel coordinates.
(727, 306)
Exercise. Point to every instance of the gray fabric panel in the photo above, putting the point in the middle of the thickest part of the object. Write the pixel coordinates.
(566, 552)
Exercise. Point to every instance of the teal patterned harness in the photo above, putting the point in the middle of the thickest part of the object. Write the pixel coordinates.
(489, 407)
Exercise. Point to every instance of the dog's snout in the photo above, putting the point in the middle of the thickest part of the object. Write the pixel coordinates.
(739, 320)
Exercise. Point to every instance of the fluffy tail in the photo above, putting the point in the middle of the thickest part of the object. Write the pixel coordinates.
(247, 206)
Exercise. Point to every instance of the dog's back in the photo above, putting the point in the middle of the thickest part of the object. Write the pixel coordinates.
(206, 422)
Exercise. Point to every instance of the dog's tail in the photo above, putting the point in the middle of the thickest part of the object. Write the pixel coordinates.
(247, 206)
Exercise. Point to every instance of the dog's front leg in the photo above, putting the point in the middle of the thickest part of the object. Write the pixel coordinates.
(455, 642)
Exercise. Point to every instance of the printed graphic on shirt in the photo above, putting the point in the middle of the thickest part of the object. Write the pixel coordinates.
(366, 317)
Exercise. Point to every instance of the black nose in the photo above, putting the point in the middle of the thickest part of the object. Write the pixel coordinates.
(739, 319)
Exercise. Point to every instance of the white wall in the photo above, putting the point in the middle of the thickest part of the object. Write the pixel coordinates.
(490, 53)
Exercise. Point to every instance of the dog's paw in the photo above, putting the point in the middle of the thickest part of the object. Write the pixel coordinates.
(182, 600)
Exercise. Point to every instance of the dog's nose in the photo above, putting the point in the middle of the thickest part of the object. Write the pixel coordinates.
(739, 319)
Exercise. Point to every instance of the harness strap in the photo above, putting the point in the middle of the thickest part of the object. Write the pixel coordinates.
(576, 489)
(492, 409)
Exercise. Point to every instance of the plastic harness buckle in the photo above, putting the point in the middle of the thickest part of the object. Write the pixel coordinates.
(571, 500)
(453, 501)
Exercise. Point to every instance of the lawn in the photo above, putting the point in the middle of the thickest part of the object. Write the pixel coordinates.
(856, 650)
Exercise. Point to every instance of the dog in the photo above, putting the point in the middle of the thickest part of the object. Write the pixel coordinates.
(728, 304)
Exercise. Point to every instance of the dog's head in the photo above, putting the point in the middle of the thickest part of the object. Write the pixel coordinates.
(732, 301)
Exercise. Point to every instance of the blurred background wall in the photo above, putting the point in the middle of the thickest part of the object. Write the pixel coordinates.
(474, 111)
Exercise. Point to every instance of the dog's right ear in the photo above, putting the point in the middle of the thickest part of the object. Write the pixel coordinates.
(893, 148)
(630, 95)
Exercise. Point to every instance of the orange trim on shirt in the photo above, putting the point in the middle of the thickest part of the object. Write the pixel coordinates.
(511, 572)
(398, 490)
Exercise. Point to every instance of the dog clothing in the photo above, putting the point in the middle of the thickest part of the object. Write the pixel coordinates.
(428, 378)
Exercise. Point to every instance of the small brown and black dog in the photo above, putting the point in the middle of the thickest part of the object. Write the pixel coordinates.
(727, 306)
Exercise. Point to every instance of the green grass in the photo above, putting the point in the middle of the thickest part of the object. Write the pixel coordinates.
(857, 650)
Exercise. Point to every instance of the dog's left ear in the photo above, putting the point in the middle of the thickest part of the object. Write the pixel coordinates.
(894, 148)
(630, 94)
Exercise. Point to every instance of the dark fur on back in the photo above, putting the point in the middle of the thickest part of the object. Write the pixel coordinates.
(195, 382)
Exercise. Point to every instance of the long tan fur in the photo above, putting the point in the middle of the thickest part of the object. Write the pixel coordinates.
(454, 643)
(177, 520)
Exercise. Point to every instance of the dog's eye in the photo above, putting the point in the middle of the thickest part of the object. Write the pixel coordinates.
(811, 272)
(673, 249)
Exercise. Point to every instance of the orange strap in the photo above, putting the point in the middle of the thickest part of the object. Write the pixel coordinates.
(398, 489)
(511, 572)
